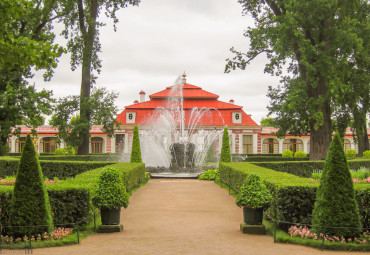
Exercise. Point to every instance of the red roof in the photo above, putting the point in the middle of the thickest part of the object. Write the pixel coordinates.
(220, 112)
(188, 91)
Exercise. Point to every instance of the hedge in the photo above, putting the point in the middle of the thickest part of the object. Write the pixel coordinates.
(70, 199)
(51, 169)
(294, 196)
(305, 168)
(90, 157)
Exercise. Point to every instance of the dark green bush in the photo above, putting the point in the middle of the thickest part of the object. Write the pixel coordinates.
(30, 201)
(272, 159)
(50, 168)
(294, 196)
(135, 150)
(253, 193)
(225, 150)
(110, 192)
(305, 168)
(90, 157)
(335, 206)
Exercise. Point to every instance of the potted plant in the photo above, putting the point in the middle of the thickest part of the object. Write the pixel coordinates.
(253, 196)
(110, 195)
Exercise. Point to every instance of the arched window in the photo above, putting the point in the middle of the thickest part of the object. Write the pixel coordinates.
(96, 145)
(19, 143)
(270, 146)
(293, 145)
(346, 144)
(49, 144)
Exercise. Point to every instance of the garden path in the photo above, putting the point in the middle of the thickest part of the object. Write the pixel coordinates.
(178, 216)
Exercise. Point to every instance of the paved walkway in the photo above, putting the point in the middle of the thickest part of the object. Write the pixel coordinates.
(181, 217)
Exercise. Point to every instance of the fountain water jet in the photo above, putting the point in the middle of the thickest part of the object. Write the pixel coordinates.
(177, 139)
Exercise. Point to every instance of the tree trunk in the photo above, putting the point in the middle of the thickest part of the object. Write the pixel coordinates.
(362, 141)
(320, 129)
(85, 111)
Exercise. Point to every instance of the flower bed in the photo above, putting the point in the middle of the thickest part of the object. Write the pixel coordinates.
(306, 233)
(57, 234)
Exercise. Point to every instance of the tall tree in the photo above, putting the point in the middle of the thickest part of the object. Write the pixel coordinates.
(26, 41)
(66, 118)
(82, 29)
(309, 40)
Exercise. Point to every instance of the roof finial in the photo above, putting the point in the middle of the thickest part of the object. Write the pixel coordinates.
(184, 78)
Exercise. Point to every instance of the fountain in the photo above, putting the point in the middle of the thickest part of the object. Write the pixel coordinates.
(173, 140)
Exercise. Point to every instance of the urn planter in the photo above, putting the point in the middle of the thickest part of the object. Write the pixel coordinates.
(253, 216)
(110, 216)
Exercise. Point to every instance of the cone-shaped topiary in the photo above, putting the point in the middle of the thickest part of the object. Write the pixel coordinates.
(30, 202)
(335, 204)
(135, 151)
(225, 150)
(110, 192)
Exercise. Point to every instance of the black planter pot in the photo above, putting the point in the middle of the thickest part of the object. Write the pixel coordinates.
(253, 216)
(110, 216)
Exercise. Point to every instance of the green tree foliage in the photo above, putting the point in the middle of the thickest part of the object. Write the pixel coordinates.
(335, 204)
(82, 29)
(102, 112)
(110, 192)
(30, 202)
(314, 43)
(26, 41)
(268, 122)
(225, 150)
(135, 150)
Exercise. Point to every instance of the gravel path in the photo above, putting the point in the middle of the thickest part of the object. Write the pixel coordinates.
(169, 216)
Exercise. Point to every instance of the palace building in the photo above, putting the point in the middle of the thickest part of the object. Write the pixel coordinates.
(246, 136)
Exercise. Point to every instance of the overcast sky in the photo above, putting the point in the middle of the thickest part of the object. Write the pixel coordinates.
(159, 40)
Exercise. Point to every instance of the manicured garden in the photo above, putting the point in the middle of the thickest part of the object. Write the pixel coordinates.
(69, 189)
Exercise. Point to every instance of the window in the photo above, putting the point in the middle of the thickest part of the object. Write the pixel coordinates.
(293, 145)
(96, 144)
(247, 144)
(19, 144)
(49, 144)
(130, 117)
(270, 146)
(237, 117)
(120, 143)
(346, 144)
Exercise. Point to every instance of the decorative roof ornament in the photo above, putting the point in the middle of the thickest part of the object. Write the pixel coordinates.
(184, 78)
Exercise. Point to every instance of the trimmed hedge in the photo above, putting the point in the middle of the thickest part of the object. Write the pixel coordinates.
(305, 168)
(272, 158)
(90, 157)
(70, 199)
(51, 169)
(294, 197)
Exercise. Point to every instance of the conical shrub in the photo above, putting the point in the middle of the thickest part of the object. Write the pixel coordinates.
(30, 202)
(136, 151)
(336, 211)
(225, 150)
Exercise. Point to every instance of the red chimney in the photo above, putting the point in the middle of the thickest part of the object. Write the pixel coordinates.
(231, 101)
